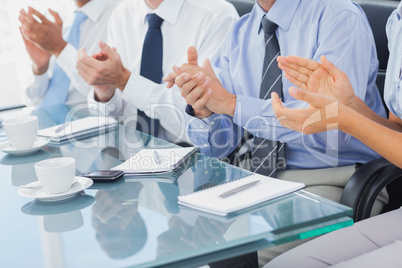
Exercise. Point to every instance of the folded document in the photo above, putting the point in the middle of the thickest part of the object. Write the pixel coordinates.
(154, 161)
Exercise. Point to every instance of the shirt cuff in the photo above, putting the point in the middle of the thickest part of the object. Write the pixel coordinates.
(246, 109)
(42, 79)
(110, 108)
(138, 90)
(200, 131)
(196, 123)
(67, 59)
(36, 89)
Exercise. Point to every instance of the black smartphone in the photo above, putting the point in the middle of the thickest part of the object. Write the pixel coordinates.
(103, 175)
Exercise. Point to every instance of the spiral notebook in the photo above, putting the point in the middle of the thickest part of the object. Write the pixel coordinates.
(79, 129)
(157, 161)
(239, 194)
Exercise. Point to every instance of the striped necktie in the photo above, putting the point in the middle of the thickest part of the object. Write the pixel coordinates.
(57, 91)
(269, 156)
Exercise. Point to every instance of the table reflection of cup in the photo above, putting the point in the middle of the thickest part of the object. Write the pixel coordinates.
(23, 174)
(60, 216)
(21, 131)
(22, 167)
(63, 222)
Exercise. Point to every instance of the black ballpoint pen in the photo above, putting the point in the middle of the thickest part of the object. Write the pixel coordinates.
(238, 189)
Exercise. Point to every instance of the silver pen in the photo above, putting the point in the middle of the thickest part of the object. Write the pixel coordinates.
(157, 157)
(62, 127)
(238, 189)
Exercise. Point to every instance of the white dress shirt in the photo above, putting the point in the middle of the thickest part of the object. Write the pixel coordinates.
(203, 24)
(92, 30)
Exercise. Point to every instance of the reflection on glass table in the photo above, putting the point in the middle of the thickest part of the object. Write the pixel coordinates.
(136, 221)
(120, 229)
(61, 216)
(23, 171)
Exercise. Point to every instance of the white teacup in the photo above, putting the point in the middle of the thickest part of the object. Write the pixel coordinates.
(56, 174)
(21, 131)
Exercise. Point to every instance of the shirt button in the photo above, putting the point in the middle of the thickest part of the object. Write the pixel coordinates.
(205, 145)
(212, 123)
(201, 126)
(206, 172)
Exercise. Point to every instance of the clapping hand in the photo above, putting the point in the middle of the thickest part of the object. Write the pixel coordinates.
(104, 70)
(46, 34)
(326, 88)
(321, 114)
(41, 39)
(201, 88)
(325, 78)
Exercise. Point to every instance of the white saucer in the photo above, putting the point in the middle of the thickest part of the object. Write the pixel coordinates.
(40, 194)
(38, 144)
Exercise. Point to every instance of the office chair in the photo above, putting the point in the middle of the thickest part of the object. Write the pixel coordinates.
(366, 183)
(242, 6)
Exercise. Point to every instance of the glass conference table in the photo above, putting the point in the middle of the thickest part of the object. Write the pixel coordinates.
(136, 222)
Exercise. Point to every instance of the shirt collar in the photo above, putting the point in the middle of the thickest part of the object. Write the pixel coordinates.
(168, 10)
(399, 11)
(94, 9)
(282, 13)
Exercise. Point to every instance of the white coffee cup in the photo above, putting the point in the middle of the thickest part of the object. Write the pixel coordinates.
(21, 131)
(56, 174)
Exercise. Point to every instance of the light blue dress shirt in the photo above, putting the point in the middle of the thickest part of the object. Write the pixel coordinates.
(306, 28)
(393, 78)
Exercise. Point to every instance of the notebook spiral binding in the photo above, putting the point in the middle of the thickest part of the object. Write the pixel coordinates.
(90, 132)
(86, 132)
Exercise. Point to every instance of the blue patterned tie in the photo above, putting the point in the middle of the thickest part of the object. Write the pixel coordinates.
(151, 68)
(57, 91)
(270, 154)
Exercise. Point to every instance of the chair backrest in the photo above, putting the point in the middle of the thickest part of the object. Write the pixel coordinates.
(242, 6)
(377, 13)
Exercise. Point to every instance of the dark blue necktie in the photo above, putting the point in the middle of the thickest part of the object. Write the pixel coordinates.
(151, 68)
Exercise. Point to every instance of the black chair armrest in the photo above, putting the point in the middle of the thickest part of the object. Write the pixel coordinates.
(385, 177)
(357, 184)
